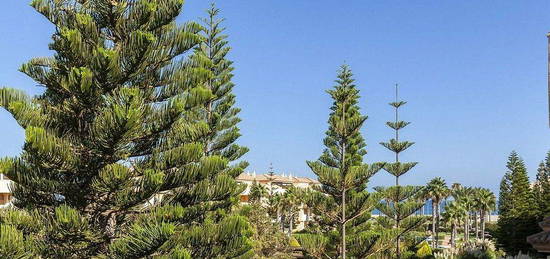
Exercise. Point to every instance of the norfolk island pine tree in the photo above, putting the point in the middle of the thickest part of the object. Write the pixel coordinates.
(342, 201)
(400, 202)
(115, 127)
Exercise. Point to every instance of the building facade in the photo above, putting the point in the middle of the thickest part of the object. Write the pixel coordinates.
(278, 184)
(5, 194)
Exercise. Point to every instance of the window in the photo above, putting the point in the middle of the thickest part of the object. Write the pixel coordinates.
(4, 198)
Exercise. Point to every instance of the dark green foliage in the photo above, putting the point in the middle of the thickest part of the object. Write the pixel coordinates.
(541, 189)
(118, 161)
(517, 210)
(342, 203)
(504, 194)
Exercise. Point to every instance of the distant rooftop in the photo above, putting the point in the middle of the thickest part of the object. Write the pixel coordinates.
(275, 178)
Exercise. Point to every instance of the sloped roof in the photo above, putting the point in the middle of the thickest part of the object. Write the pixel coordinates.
(275, 178)
(541, 241)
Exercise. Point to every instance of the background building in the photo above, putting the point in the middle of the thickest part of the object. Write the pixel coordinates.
(5, 194)
(278, 184)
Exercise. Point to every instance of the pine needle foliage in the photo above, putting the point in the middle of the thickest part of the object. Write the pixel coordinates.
(517, 210)
(541, 188)
(342, 202)
(219, 112)
(400, 202)
(116, 162)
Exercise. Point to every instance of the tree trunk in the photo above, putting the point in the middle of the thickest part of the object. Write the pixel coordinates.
(437, 224)
(483, 224)
(344, 224)
(433, 224)
(282, 222)
(453, 234)
(466, 228)
(398, 242)
(291, 227)
(476, 226)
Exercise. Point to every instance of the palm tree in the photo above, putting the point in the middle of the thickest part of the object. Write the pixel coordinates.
(465, 196)
(456, 186)
(257, 192)
(486, 202)
(454, 213)
(437, 191)
(290, 206)
(476, 207)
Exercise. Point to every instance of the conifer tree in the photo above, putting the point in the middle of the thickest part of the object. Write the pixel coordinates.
(117, 126)
(517, 210)
(400, 202)
(541, 189)
(504, 194)
(273, 200)
(343, 203)
(219, 111)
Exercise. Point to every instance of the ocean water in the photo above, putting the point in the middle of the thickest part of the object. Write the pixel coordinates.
(427, 209)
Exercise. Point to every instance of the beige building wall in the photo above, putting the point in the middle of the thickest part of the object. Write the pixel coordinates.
(279, 184)
(5, 193)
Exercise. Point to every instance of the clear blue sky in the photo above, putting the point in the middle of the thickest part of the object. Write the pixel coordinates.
(473, 72)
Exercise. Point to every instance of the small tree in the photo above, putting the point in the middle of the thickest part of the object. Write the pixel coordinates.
(454, 214)
(257, 192)
(268, 239)
(486, 202)
(465, 196)
(437, 191)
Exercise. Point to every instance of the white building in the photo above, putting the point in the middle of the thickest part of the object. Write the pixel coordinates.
(5, 194)
(279, 184)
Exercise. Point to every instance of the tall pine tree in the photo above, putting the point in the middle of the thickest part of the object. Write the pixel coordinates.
(343, 203)
(504, 194)
(541, 188)
(116, 127)
(219, 112)
(517, 208)
(400, 202)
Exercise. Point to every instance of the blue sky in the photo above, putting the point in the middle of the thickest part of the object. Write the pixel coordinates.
(473, 72)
